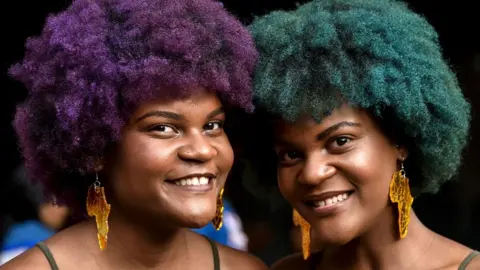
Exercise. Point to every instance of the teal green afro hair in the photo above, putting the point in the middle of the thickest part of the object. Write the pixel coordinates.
(372, 54)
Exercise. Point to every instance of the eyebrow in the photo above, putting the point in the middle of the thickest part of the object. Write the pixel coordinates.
(322, 135)
(176, 116)
(164, 114)
(216, 112)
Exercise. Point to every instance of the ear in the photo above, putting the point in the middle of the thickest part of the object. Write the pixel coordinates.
(402, 153)
(99, 164)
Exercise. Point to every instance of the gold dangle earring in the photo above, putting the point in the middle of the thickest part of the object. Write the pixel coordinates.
(97, 206)
(400, 194)
(218, 220)
(305, 230)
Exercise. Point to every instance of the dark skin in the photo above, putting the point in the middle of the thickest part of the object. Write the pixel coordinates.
(165, 140)
(348, 152)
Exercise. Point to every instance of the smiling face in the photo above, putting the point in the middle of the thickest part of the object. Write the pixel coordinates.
(337, 173)
(172, 161)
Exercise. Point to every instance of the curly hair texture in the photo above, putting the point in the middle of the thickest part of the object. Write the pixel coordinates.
(95, 62)
(375, 55)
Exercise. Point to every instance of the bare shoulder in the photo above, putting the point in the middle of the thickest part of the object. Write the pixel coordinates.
(454, 255)
(233, 259)
(294, 261)
(30, 259)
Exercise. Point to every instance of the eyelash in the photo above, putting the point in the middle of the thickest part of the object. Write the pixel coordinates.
(157, 127)
(335, 140)
(282, 155)
(219, 123)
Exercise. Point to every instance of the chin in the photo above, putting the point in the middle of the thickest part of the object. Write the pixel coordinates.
(333, 240)
(334, 235)
(197, 223)
(194, 213)
(195, 218)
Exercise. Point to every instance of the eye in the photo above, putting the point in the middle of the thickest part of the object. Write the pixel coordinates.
(340, 141)
(164, 129)
(213, 126)
(288, 156)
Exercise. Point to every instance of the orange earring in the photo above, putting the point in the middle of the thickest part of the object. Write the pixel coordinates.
(400, 194)
(218, 220)
(97, 206)
(305, 230)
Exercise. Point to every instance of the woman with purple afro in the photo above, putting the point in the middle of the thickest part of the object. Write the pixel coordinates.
(124, 123)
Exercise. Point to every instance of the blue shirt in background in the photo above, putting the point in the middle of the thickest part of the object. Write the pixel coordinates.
(21, 237)
(231, 234)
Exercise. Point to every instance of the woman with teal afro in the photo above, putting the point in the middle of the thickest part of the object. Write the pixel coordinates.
(365, 115)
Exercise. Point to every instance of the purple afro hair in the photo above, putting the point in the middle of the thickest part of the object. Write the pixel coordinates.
(95, 62)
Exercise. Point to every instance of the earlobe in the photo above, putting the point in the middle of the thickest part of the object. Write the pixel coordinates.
(99, 164)
(402, 153)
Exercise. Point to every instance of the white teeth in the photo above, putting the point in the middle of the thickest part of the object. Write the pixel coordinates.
(332, 200)
(203, 181)
(195, 181)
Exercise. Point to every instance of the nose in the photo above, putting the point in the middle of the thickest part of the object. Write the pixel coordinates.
(316, 170)
(197, 149)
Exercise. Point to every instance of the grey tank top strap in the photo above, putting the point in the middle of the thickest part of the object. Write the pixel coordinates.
(46, 251)
(216, 256)
(467, 260)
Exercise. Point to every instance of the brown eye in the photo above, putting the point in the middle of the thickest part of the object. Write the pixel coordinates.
(164, 129)
(290, 155)
(340, 141)
(213, 126)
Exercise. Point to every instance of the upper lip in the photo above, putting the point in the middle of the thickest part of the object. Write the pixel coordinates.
(198, 175)
(324, 195)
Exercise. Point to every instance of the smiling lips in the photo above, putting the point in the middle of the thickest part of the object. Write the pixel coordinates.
(326, 199)
(332, 200)
(194, 180)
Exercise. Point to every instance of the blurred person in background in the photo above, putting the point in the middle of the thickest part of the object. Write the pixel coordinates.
(24, 230)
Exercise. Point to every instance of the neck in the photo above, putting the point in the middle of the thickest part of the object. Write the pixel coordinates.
(381, 247)
(134, 245)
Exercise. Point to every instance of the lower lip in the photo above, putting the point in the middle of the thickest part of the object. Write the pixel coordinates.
(195, 189)
(329, 209)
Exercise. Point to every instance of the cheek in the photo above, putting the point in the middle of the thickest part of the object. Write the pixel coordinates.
(286, 182)
(225, 155)
(140, 164)
(146, 155)
(371, 171)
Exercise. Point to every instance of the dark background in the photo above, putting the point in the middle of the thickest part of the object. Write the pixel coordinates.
(453, 212)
